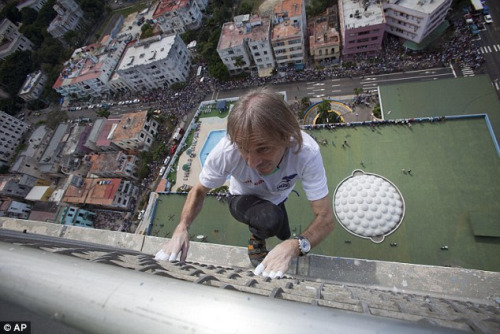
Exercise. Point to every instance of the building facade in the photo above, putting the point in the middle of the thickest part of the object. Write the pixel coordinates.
(11, 133)
(11, 40)
(414, 20)
(88, 70)
(155, 62)
(175, 17)
(134, 132)
(362, 26)
(69, 17)
(324, 37)
(33, 86)
(288, 33)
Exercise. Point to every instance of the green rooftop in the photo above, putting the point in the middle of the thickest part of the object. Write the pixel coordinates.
(453, 185)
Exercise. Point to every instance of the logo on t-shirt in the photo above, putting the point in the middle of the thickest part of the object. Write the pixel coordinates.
(285, 182)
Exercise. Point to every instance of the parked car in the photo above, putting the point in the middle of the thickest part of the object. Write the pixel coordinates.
(488, 19)
(162, 170)
(474, 30)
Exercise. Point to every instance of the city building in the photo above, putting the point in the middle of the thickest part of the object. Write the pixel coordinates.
(415, 20)
(74, 148)
(177, 16)
(32, 88)
(155, 62)
(109, 193)
(362, 27)
(11, 40)
(73, 216)
(88, 70)
(101, 138)
(27, 160)
(15, 186)
(324, 37)
(14, 209)
(288, 34)
(113, 165)
(35, 4)
(245, 44)
(11, 134)
(49, 163)
(69, 17)
(134, 132)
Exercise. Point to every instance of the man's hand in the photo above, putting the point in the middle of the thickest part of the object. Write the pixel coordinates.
(178, 245)
(278, 260)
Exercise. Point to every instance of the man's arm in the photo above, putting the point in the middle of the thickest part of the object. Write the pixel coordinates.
(278, 260)
(179, 243)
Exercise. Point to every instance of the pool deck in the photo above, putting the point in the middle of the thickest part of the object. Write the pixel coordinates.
(189, 178)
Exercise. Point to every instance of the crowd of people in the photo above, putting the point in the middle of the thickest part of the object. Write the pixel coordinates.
(112, 220)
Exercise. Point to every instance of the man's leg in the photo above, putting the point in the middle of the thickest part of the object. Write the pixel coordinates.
(263, 218)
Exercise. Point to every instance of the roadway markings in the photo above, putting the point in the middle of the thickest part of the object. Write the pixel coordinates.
(489, 49)
(467, 71)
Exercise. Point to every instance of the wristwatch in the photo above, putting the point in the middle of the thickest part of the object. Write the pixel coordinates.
(304, 245)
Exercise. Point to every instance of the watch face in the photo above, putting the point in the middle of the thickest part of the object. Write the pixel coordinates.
(305, 246)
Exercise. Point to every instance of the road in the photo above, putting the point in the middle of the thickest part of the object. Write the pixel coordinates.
(345, 86)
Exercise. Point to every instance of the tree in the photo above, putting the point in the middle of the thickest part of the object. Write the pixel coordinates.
(358, 91)
(147, 30)
(239, 62)
(245, 8)
(219, 70)
(29, 15)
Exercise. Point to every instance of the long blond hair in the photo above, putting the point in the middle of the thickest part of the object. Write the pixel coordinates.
(263, 111)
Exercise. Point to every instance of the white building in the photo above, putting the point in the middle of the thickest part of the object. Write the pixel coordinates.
(155, 62)
(245, 44)
(11, 133)
(33, 86)
(288, 34)
(11, 40)
(35, 4)
(89, 69)
(69, 17)
(179, 16)
(414, 20)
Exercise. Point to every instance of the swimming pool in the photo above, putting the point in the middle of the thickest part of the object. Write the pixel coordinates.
(213, 139)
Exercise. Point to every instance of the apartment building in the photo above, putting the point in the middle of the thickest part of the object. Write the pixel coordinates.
(324, 37)
(11, 132)
(69, 17)
(109, 193)
(33, 86)
(113, 165)
(155, 62)
(177, 16)
(11, 40)
(414, 20)
(288, 33)
(134, 132)
(245, 44)
(362, 27)
(88, 70)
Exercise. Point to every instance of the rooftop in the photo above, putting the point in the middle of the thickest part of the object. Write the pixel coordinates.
(146, 51)
(357, 14)
(233, 34)
(423, 6)
(130, 125)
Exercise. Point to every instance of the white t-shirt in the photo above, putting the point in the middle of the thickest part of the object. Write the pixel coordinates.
(307, 165)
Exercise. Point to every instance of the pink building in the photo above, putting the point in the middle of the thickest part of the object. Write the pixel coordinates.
(362, 26)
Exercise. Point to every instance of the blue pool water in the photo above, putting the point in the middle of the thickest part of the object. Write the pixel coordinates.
(213, 139)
